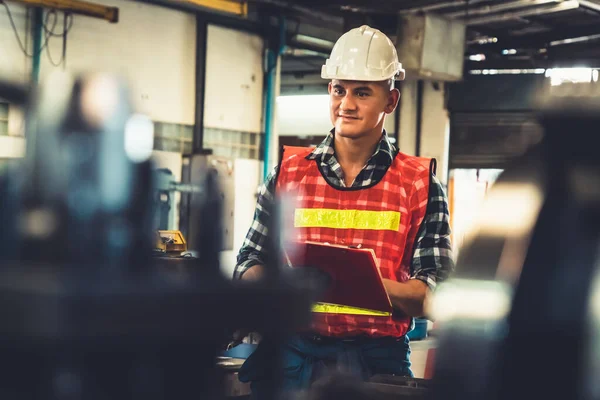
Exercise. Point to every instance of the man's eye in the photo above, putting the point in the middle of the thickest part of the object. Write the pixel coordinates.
(362, 94)
(338, 91)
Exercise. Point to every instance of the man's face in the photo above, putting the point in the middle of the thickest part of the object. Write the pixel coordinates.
(357, 108)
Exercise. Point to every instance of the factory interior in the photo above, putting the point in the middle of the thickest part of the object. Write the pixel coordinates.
(141, 139)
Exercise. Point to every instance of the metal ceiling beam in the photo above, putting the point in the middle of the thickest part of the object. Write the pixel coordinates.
(497, 8)
(538, 40)
(381, 5)
(487, 19)
(218, 18)
(439, 6)
(591, 62)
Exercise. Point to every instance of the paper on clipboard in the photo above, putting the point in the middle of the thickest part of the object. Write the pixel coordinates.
(356, 281)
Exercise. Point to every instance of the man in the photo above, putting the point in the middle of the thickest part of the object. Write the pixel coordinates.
(356, 167)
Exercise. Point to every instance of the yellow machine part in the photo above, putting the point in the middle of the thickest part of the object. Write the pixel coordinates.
(236, 7)
(170, 241)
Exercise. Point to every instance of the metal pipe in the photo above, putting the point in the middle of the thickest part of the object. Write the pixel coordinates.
(491, 9)
(316, 42)
(564, 6)
(271, 61)
(298, 52)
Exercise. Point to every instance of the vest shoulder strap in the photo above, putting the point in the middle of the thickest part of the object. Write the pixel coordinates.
(288, 151)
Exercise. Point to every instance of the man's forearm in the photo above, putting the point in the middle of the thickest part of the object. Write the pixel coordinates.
(409, 297)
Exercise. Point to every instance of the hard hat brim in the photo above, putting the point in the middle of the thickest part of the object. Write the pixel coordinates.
(327, 73)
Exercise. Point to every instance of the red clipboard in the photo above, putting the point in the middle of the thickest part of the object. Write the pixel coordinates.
(355, 278)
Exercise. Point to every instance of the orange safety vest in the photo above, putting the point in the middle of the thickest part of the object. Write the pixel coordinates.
(384, 217)
(288, 151)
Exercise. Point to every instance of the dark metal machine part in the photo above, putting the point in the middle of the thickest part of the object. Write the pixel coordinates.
(544, 347)
(87, 312)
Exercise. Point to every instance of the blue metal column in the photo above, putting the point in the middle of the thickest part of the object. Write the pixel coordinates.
(38, 21)
(272, 57)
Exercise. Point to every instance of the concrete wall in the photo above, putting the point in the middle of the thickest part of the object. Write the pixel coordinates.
(234, 80)
(13, 63)
(158, 64)
(435, 128)
(408, 117)
(12, 147)
(153, 48)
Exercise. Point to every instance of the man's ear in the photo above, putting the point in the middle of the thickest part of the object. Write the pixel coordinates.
(329, 86)
(392, 103)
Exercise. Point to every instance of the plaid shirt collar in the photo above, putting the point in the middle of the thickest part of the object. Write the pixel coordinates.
(382, 157)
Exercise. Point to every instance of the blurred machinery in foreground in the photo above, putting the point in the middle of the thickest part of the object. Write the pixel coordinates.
(520, 319)
(87, 312)
(165, 189)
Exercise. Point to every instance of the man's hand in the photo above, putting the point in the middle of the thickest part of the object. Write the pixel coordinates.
(409, 297)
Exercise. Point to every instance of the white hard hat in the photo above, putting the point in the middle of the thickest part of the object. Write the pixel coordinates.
(363, 54)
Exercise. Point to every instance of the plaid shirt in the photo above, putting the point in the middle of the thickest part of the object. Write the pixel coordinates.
(432, 258)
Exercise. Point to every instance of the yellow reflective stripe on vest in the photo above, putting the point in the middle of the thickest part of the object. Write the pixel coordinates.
(339, 309)
(346, 219)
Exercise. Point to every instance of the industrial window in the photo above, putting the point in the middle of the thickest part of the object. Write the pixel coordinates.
(178, 138)
(173, 137)
(233, 144)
